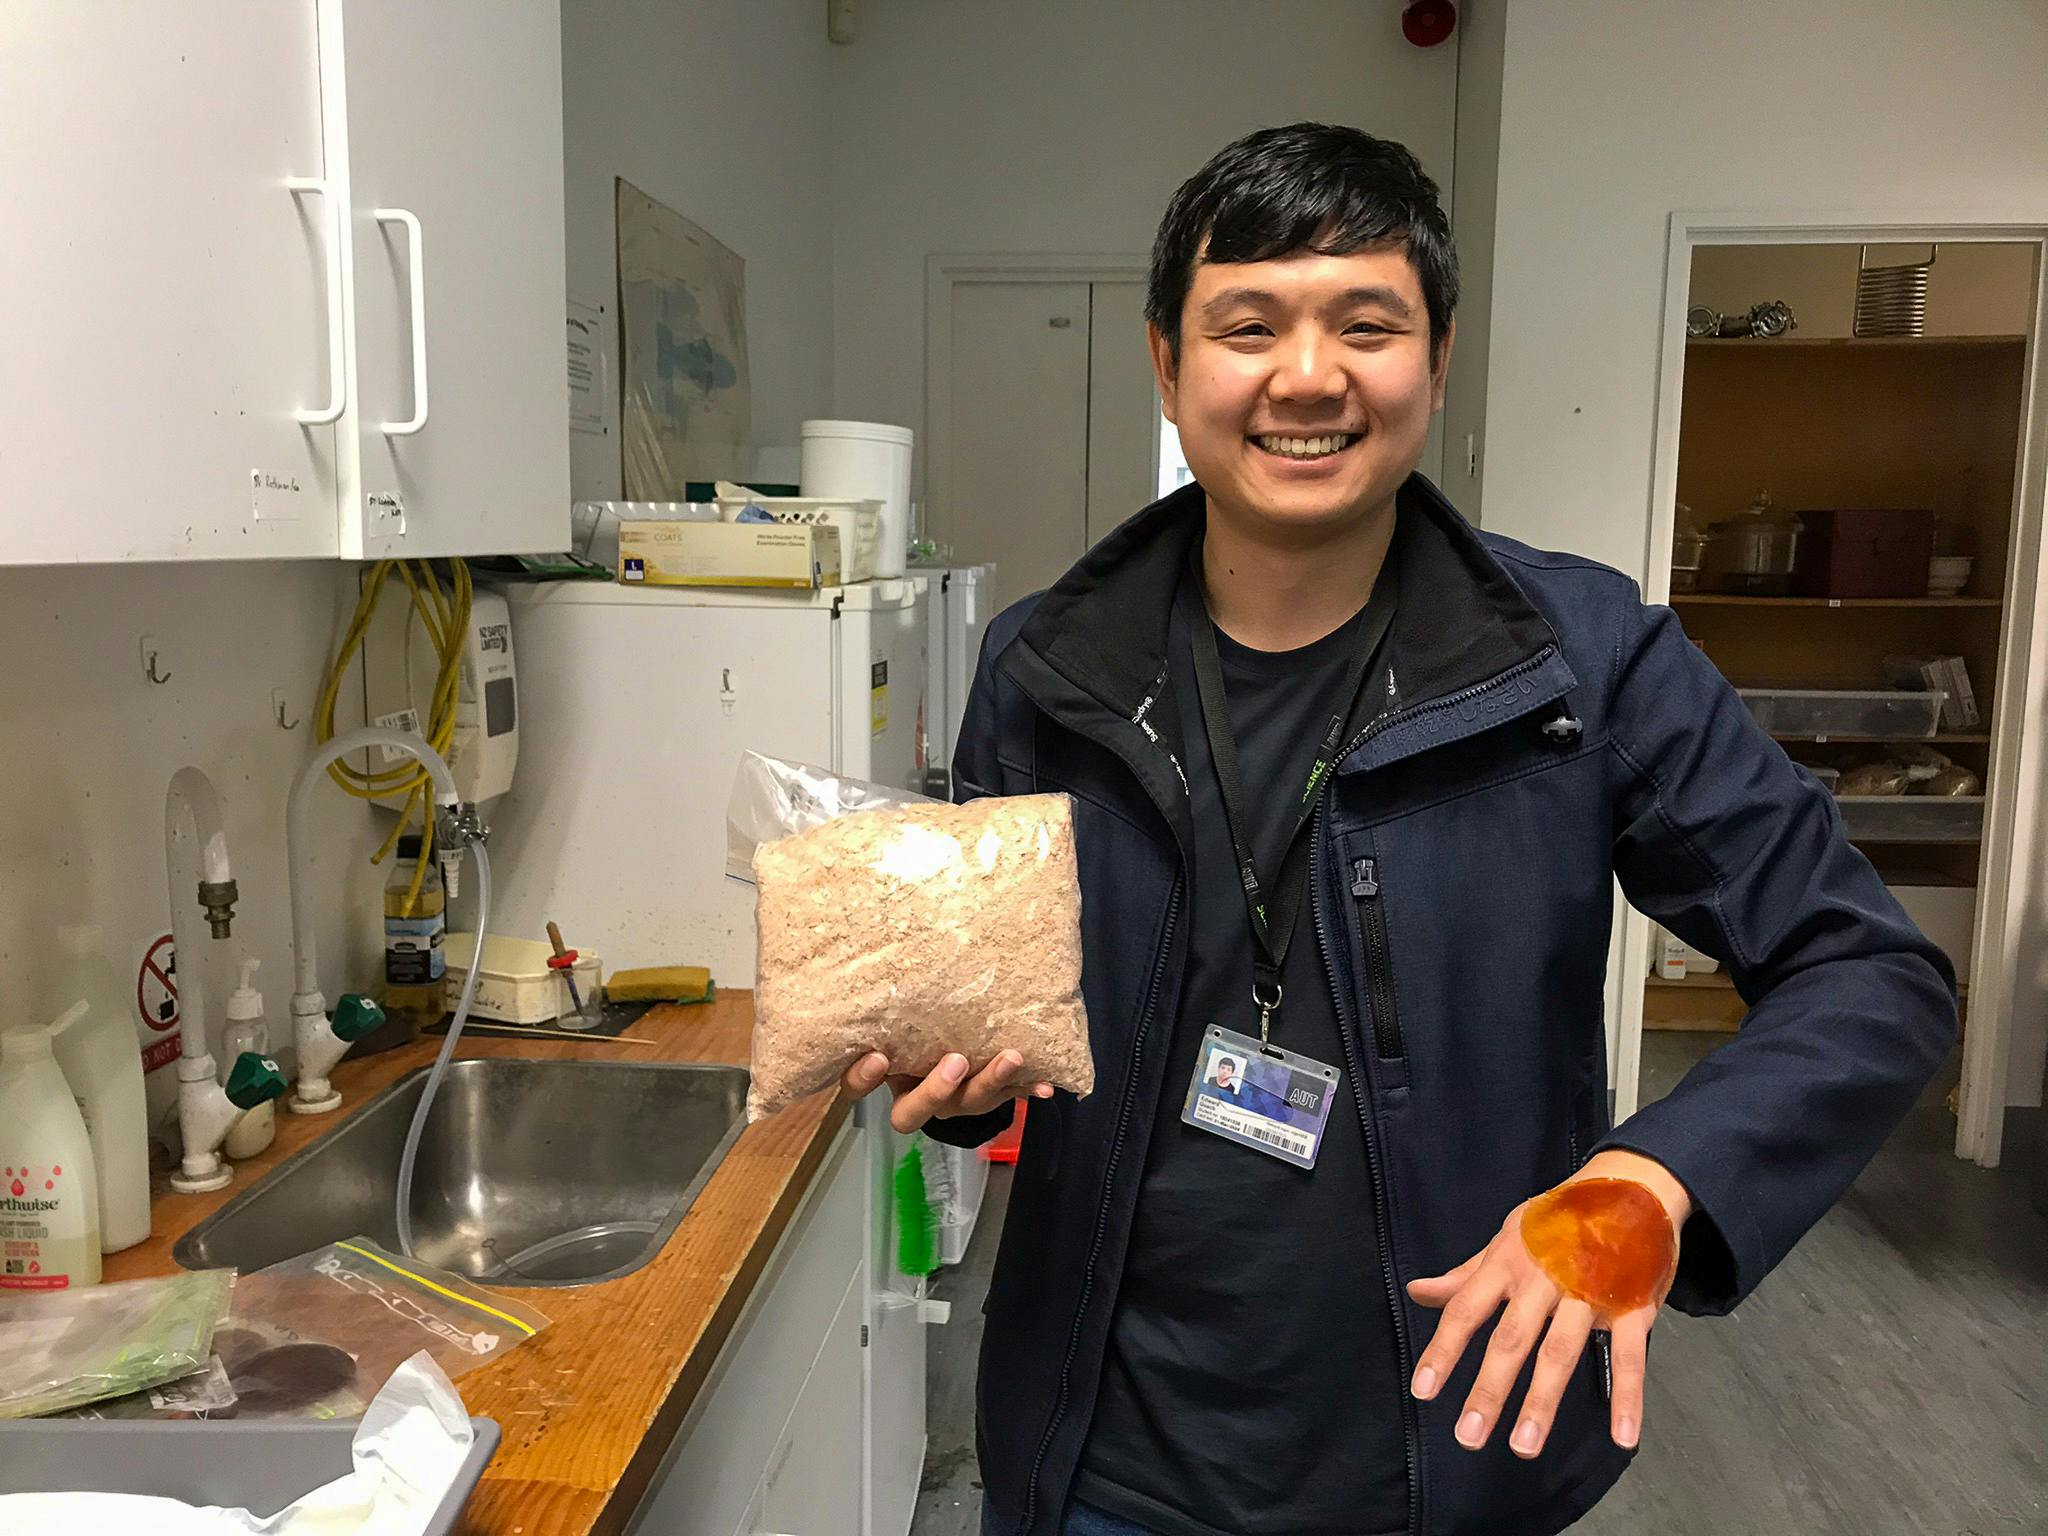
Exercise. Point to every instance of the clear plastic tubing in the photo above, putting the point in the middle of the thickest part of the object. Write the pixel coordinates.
(410, 1155)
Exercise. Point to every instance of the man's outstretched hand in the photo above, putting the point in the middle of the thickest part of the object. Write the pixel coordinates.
(1597, 1242)
(948, 1092)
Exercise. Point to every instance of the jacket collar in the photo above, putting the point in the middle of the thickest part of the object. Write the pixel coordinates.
(1463, 623)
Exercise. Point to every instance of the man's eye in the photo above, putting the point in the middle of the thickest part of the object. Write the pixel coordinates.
(1366, 328)
(1251, 328)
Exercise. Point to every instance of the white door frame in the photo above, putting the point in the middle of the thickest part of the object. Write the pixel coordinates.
(942, 273)
(2007, 884)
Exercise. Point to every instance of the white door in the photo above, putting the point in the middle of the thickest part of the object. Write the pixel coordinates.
(454, 114)
(166, 290)
(1017, 491)
(1050, 425)
(1123, 408)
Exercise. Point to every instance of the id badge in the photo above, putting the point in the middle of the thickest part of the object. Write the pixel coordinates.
(1262, 1097)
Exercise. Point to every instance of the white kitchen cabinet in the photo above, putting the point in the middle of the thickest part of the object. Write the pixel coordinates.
(776, 1428)
(212, 290)
(453, 118)
(812, 1485)
(167, 291)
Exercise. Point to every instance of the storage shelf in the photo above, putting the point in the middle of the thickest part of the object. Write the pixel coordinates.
(1736, 600)
(1849, 343)
(1912, 818)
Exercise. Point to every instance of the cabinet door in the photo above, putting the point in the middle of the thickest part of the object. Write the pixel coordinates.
(812, 1485)
(166, 290)
(454, 124)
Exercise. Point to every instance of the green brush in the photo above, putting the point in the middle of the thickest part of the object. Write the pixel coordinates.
(917, 1223)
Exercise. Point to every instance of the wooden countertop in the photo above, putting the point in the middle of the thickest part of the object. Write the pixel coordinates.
(589, 1405)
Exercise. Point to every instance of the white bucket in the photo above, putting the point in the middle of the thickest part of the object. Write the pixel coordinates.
(870, 461)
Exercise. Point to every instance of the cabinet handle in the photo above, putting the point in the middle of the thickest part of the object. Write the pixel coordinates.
(336, 388)
(415, 258)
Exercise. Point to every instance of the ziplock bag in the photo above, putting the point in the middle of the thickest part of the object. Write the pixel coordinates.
(317, 1336)
(61, 1349)
(889, 922)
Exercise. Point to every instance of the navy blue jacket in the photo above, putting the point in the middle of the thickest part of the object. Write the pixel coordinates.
(1543, 732)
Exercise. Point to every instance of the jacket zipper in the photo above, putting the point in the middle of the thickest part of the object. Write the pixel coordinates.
(1116, 1146)
(1379, 969)
(1360, 1086)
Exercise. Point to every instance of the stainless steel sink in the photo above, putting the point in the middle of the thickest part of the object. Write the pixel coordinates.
(529, 1172)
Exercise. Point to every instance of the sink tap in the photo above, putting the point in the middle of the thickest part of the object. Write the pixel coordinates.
(206, 1108)
(320, 1041)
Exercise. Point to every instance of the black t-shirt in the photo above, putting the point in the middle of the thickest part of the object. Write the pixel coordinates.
(1252, 1385)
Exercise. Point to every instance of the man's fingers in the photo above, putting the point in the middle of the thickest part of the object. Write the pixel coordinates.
(935, 1096)
(1555, 1361)
(1464, 1313)
(992, 1085)
(1520, 1326)
(1435, 1290)
(866, 1075)
(1631, 1349)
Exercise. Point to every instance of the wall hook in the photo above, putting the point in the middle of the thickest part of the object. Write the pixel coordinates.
(277, 704)
(149, 662)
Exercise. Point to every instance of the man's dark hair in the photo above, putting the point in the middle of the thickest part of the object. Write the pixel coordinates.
(1306, 187)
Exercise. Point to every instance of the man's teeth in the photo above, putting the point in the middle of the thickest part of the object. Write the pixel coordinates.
(1307, 447)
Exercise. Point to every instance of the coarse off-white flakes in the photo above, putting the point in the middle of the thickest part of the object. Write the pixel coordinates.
(917, 932)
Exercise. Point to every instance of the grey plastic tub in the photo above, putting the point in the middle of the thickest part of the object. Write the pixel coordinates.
(260, 1465)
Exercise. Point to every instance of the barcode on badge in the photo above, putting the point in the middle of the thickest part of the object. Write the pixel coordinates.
(1258, 1128)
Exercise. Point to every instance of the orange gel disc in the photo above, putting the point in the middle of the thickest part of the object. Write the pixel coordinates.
(1606, 1241)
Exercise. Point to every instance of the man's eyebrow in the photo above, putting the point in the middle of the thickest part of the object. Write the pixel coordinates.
(1386, 298)
(1234, 298)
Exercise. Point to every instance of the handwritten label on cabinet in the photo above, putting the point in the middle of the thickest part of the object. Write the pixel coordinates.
(276, 496)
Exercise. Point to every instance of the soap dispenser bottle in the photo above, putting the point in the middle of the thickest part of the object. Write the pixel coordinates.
(49, 1197)
(247, 1031)
(99, 1058)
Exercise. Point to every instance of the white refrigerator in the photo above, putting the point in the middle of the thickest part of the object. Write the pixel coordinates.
(638, 704)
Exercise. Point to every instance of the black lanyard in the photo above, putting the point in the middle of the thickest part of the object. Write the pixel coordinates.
(1272, 932)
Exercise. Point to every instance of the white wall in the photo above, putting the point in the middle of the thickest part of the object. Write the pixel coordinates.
(720, 109)
(1063, 126)
(91, 745)
(1614, 116)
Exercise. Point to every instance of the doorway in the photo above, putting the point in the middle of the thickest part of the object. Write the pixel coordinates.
(1043, 416)
(1931, 435)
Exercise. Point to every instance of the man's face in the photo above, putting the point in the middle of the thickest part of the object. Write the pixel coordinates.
(1305, 386)
(1223, 1074)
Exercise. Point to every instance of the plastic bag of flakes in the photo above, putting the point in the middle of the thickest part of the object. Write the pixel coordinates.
(889, 922)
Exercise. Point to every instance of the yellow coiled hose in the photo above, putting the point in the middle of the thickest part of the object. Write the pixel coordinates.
(444, 616)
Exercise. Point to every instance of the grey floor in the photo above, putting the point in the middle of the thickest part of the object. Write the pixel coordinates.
(1890, 1379)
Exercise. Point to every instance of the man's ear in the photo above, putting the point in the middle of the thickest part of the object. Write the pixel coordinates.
(1165, 368)
(1440, 366)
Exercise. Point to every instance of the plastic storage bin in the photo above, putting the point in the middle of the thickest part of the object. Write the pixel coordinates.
(1912, 818)
(517, 986)
(859, 524)
(864, 459)
(1821, 713)
(260, 1465)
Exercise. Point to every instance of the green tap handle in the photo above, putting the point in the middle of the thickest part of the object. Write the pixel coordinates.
(254, 1080)
(355, 1016)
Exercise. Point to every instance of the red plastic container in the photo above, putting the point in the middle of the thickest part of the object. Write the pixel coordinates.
(1005, 1147)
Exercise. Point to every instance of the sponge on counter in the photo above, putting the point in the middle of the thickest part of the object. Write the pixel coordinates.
(660, 984)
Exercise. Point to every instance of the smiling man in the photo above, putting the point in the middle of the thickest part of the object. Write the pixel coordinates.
(1353, 782)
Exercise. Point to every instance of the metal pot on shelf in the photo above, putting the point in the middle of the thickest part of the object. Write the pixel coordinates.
(1753, 552)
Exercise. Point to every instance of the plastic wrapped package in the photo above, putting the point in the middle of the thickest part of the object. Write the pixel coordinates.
(62, 1349)
(912, 927)
(1885, 776)
(317, 1336)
